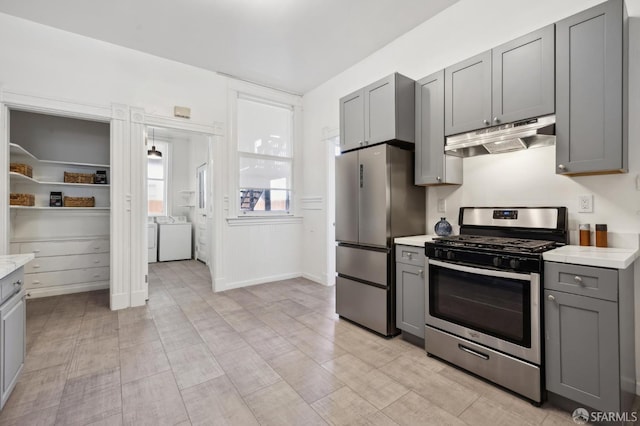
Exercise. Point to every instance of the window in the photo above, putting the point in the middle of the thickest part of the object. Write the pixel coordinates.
(157, 176)
(265, 155)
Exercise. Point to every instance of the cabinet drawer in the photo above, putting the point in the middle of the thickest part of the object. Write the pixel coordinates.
(62, 263)
(7, 284)
(410, 255)
(600, 283)
(62, 248)
(74, 276)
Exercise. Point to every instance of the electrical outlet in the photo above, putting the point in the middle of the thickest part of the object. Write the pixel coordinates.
(585, 203)
(442, 205)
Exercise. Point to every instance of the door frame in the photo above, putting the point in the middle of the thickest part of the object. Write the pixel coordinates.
(213, 132)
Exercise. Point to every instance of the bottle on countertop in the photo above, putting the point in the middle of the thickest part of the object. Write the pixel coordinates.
(585, 234)
(601, 235)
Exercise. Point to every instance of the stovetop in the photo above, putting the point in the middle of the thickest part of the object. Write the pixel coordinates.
(499, 244)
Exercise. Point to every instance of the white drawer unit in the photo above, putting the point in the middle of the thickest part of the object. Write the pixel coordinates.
(62, 247)
(63, 263)
(65, 266)
(73, 276)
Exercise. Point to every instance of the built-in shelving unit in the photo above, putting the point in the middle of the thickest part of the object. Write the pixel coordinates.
(71, 244)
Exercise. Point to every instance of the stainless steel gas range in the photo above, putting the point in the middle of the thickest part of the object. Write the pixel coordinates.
(484, 288)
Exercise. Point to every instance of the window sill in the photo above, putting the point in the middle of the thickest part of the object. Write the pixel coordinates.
(264, 220)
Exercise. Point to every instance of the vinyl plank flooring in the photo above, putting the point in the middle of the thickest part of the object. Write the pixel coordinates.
(193, 365)
(217, 402)
(49, 353)
(153, 400)
(489, 413)
(278, 404)
(222, 339)
(97, 327)
(143, 360)
(314, 345)
(94, 357)
(36, 417)
(90, 399)
(343, 407)
(177, 338)
(412, 409)
(247, 370)
(138, 332)
(131, 315)
(310, 380)
(266, 342)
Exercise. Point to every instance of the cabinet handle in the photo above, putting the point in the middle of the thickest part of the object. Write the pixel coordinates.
(551, 297)
(96, 261)
(17, 284)
(360, 143)
(36, 251)
(96, 275)
(561, 167)
(409, 256)
(36, 266)
(438, 178)
(486, 122)
(36, 281)
(578, 280)
(496, 120)
(421, 272)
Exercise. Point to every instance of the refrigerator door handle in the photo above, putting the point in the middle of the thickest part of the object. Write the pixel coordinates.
(361, 175)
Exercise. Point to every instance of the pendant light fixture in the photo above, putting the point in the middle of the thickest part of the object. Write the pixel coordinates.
(153, 152)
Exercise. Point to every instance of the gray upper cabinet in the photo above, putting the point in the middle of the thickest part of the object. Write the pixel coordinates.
(523, 77)
(380, 112)
(432, 165)
(591, 91)
(468, 94)
(511, 82)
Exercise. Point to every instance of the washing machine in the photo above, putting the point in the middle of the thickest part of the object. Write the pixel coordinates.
(152, 236)
(174, 238)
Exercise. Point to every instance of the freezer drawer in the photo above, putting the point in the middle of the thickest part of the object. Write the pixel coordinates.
(365, 264)
(362, 303)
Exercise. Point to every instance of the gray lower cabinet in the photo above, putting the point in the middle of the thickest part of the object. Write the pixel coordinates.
(591, 91)
(590, 356)
(380, 112)
(12, 337)
(511, 82)
(433, 167)
(410, 287)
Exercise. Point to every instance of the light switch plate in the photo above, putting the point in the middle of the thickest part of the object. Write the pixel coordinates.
(442, 205)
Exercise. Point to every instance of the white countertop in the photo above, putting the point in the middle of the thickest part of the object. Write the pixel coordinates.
(11, 262)
(414, 240)
(604, 257)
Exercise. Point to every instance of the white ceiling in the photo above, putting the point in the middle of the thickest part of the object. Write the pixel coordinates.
(293, 45)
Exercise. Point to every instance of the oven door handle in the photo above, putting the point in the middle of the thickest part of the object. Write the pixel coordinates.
(478, 271)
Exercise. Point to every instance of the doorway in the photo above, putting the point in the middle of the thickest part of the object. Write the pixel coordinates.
(201, 225)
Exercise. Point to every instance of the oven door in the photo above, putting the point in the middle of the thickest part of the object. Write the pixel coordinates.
(498, 309)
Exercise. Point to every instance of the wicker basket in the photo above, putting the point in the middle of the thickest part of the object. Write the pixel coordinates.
(79, 202)
(16, 199)
(70, 177)
(23, 169)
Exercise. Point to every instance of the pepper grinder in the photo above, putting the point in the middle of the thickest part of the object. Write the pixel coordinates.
(601, 235)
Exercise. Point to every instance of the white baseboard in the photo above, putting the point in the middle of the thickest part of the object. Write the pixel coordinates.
(34, 293)
(261, 280)
(138, 298)
(119, 301)
(315, 279)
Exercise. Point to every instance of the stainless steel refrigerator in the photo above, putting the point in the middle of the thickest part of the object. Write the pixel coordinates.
(376, 201)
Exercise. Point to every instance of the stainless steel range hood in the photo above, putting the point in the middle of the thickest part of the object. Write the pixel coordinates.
(531, 133)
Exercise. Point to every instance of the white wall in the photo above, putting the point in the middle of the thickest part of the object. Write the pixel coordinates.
(521, 178)
(51, 63)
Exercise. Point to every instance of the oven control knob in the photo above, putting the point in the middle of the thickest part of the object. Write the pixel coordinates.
(514, 263)
(437, 253)
(497, 262)
(450, 255)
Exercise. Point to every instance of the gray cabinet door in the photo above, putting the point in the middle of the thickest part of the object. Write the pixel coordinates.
(379, 110)
(373, 220)
(523, 77)
(430, 130)
(582, 361)
(13, 323)
(352, 121)
(410, 299)
(590, 104)
(468, 95)
(347, 197)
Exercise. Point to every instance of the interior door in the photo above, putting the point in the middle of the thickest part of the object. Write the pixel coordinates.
(202, 250)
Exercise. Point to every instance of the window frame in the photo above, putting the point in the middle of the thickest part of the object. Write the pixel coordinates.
(164, 148)
(291, 103)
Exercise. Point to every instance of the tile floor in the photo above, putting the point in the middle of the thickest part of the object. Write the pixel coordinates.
(271, 354)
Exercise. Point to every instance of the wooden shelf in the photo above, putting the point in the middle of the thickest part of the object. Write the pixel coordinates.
(16, 149)
(20, 178)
